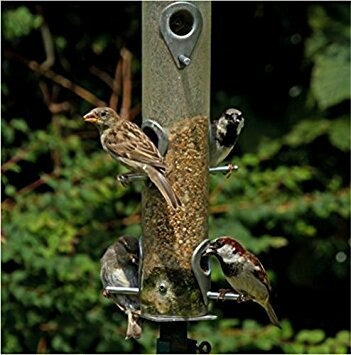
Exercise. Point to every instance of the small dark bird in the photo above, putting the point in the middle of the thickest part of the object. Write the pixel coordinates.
(244, 272)
(128, 144)
(224, 133)
(119, 268)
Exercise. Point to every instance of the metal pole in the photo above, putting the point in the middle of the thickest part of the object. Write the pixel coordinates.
(176, 95)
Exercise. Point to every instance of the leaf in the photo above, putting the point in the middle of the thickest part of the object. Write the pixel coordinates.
(306, 131)
(331, 76)
(10, 190)
(294, 348)
(339, 134)
(344, 336)
(19, 124)
(314, 336)
(268, 148)
(317, 336)
(19, 22)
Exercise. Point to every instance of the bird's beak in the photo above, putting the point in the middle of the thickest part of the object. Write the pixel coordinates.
(90, 117)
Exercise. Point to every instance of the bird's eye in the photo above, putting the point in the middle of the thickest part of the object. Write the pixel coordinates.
(219, 244)
(103, 114)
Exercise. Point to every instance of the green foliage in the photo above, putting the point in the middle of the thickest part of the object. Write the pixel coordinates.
(329, 46)
(289, 202)
(19, 22)
(250, 337)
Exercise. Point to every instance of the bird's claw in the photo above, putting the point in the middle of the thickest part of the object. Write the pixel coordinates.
(231, 168)
(243, 298)
(106, 293)
(124, 180)
(136, 312)
(225, 169)
(222, 292)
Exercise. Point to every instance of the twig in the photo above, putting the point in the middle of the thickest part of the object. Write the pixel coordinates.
(54, 107)
(127, 83)
(134, 112)
(47, 40)
(107, 79)
(116, 87)
(45, 91)
(20, 155)
(57, 78)
(28, 188)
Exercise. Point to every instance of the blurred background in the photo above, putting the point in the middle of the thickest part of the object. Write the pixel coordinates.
(285, 66)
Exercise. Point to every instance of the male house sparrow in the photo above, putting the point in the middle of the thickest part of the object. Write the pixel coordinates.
(119, 268)
(127, 143)
(244, 272)
(224, 133)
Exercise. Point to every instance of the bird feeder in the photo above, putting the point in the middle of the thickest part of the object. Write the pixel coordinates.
(175, 107)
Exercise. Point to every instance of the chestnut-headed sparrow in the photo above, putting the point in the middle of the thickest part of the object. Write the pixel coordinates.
(128, 144)
(224, 133)
(119, 268)
(243, 271)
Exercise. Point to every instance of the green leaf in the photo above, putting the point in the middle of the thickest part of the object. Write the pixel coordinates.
(268, 148)
(339, 134)
(306, 131)
(331, 76)
(305, 229)
(294, 348)
(344, 337)
(311, 336)
(19, 22)
(317, 336)
(19, 124)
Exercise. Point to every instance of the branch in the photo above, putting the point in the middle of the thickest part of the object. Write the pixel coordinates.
(47, 40)
(6, 204)
(127, 83)
(107, 79)
(20, 155)
(57, 78)
(116, 87)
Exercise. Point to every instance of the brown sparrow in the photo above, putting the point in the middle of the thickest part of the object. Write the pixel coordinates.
(224, 133)
(244, 272)
(128, 144)
(119, 268)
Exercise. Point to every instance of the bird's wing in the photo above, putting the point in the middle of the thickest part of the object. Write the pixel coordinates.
(260, 271)
(127, 140)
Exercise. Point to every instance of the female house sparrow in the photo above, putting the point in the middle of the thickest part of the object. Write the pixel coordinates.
(244, 272)
(119, 268)
(127, 143)
(224, 133)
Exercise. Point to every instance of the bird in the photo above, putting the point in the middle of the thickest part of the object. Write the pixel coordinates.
(224, 134)
(128, 144)
(119, 268)
(244, 272)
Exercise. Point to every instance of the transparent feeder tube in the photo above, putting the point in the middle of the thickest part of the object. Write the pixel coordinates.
(176, 95)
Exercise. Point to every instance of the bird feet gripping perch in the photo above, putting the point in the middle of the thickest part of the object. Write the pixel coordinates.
(126, 179)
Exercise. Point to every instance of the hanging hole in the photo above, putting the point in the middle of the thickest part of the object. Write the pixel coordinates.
(181, 22)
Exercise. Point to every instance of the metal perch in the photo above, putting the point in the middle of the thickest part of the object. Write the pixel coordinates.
(211, 295)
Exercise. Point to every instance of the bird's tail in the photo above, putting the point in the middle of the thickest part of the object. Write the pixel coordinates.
(271, 314)
(163, 185)
(134, 329)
